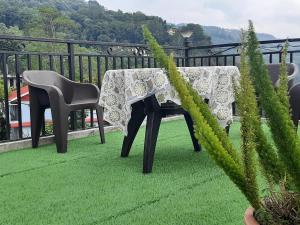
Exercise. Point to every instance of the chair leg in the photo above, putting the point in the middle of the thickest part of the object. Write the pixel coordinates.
(99, 112)
(295, 117)
(152, 129)
(189, 122)
(227, 128)
(294, 94)
(60, 129)
(36, 118)
(133, 127)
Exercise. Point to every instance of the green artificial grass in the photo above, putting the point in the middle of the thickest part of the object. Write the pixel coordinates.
(91, 184)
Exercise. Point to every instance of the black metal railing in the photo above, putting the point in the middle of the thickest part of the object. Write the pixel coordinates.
(228, 54)
(83, 61)
(87, 61)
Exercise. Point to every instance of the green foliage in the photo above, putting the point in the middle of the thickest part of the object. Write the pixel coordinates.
(282, 128)
(275, 164)
(251, 127)
(77, 19)
(9, 44)
(201, 105)
(198, 36)
(48, 128)
(3, 127)
(88, 20)
(283, 77)
(1, 90)
(213, 123)
(52, 22)
(246, 101)
(203, 131)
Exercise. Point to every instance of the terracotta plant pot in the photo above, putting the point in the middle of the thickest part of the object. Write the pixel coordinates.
(249, 217)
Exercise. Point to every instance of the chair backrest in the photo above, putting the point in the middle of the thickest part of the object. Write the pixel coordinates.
(49, 78)
(42, 77)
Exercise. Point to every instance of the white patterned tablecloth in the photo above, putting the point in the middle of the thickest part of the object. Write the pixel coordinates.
(121, 88)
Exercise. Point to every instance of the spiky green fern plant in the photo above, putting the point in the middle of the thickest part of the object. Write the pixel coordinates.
(242, 169)
(283, 77)
(275, 106)
(207, 130)
(272, 168)
(245, 99)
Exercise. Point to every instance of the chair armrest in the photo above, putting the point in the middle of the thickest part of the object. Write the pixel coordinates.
(53, 90)
(84, 90)
(55, 95)
(295, 72)
(291, 78)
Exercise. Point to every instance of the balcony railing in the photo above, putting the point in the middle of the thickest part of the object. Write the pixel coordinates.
(228, 54)
(87, 61)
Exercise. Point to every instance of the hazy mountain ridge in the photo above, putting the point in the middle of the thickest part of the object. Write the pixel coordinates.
(221, 35)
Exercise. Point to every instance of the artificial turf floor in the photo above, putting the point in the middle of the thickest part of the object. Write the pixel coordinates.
(92, 185)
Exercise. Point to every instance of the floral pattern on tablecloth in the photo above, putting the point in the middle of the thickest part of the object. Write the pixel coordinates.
(121, 88)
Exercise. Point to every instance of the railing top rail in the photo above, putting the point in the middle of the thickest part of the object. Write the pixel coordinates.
(238, 43)
(237, 54)
(33, 53)
(133, 45)
(72, 41)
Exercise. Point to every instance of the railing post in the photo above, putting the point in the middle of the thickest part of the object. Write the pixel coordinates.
(187, 44)
(6, 102)
(19, 100)
(71, 62)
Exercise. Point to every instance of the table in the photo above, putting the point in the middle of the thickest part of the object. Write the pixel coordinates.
(136, 93)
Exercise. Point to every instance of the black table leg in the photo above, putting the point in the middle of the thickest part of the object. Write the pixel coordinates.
(137, 117)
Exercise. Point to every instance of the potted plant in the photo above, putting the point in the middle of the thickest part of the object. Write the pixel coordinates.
(279, 163)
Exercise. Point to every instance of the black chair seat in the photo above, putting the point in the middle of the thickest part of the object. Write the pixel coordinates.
(170, 104)
(170, 108)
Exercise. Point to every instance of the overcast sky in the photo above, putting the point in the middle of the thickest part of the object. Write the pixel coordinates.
(280, 18)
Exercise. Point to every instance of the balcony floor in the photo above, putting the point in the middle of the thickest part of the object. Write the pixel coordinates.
(91, 184)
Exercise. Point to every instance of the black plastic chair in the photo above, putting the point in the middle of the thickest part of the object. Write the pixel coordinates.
(48, 89)
(150, 108)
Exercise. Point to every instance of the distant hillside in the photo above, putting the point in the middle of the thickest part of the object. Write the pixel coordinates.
(221, 35)
(89, 20)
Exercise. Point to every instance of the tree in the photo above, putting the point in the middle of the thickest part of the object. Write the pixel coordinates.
(52, 22)
(198, 37)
